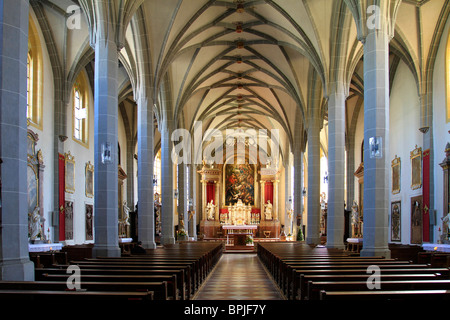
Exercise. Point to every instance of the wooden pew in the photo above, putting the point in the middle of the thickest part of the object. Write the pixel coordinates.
(170, 279)
(434, 295)
(190, 274)
(184, 278)
(72, 296)
(305, 279)
(159, 289)
(298, 282)
(179, 273)
(315, 287)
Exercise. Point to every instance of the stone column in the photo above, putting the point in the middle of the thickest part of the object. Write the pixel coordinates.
(146, 212)
(275, 200)
(376, 124)
(167, 190)
(14, 257)
(192, 220)
(106, 134)
(313, 192)
(182, 196)
(336, 167)
(263, 196)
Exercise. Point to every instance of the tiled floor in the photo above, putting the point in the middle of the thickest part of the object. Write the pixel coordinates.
(239, 277)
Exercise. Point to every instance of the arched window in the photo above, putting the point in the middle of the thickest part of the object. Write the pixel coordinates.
(34, 77)
(80, 106)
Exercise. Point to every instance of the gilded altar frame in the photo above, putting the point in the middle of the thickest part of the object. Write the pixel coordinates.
(396, 175)
(69, 163)
(416, 168)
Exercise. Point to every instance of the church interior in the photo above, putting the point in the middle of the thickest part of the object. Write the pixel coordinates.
(161, 142)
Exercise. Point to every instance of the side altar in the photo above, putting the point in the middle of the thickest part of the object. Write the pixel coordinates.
(232, 201)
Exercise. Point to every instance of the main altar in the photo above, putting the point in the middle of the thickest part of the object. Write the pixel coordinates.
(237, 208)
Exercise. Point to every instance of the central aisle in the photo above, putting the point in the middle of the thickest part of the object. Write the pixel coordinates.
(239, 276)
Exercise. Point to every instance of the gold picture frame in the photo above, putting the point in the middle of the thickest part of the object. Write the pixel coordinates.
(396, 175)
(89, 177)
(416, 168)
(69, 162)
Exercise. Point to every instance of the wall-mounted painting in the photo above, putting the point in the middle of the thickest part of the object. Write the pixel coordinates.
(240, 184)
(396, 174)
(89, 221)
(68, 209)
(416, 220)
(89, 176)
(396, 214)
(416, 168)
(69, 161)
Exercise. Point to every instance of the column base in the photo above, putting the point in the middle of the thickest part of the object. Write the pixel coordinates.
(167, 240)
(106, 251)
(335, 246)
(313, 240)
(375, 252)
(17, 270)
(149, 245)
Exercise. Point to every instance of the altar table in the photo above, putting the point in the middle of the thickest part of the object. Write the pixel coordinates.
(236, 234)
(436, 247)
(44, 247)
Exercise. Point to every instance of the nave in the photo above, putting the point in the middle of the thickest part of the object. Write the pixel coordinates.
(239, 276)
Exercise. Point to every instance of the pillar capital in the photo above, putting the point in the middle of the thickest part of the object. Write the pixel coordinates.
(374, 15)
(108, 19)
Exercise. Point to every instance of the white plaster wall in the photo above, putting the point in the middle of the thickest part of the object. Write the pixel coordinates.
(440, 127)
(45, 142)
(82, 155)
(404, 136)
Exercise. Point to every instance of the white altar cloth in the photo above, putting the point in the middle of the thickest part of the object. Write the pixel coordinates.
(436, 247)
(240, 226)
(43, 247)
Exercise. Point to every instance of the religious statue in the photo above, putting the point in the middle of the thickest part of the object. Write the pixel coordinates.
(34, 224)
(124, 222)
(268, 210)
(210, 210)
(355, 220)
(445, 227)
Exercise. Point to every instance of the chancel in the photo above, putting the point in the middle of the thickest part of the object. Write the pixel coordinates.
(212, 147)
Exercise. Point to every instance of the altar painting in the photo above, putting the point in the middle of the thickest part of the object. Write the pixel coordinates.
(239, 184)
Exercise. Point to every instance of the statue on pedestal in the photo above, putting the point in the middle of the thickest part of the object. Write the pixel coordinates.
(268, 210)
(210, 210)
(355, 220)
(34, 224)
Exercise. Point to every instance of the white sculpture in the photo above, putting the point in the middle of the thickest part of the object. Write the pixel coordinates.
(268, 210)
(34, 223)
(210, 210)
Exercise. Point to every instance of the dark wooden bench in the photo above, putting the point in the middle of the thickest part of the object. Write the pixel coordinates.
(72, 296)
(297, 282)
(305, 279)
(434, 295)
(170, 279)
(185, 269)
(181, 284)
(190, 271)
(158, 288)
(315, 287)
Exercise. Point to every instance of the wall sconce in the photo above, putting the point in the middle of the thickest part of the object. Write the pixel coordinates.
(175, 194)
(325, 179)
(304, 192)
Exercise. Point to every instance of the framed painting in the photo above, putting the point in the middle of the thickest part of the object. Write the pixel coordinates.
(69, 162)
(396, 214)
(89, 211)
(89, 180)
(416, 168)
(416, 220)
(239, 184)
(396, 175)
